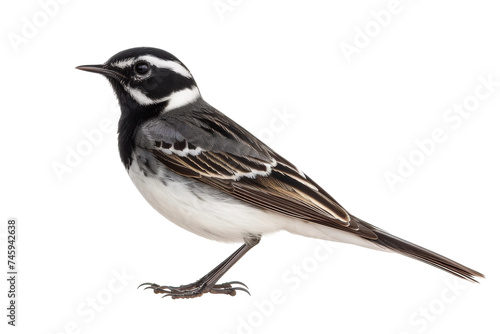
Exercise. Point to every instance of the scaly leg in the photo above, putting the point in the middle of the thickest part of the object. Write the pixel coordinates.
(208, 282)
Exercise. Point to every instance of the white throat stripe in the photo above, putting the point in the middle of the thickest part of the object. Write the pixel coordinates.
(176, 99)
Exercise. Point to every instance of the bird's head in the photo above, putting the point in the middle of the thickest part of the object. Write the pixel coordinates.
(148, 78)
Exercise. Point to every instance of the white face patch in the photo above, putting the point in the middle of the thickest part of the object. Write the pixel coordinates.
(182, 97)
(176, 99)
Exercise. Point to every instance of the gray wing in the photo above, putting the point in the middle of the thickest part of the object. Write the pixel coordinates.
(204, 144)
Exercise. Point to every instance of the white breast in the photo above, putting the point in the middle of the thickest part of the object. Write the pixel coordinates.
(210, 214)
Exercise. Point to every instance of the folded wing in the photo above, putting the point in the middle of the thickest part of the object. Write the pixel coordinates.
(211, 148)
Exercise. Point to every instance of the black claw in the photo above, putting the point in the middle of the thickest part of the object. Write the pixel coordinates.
(237, 282)
(242, 289)
(146, 284)
(151, 287)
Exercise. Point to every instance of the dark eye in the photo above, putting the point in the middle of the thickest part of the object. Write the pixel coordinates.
(141, 67)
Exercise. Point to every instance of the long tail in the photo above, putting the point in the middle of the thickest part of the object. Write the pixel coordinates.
(409, 249)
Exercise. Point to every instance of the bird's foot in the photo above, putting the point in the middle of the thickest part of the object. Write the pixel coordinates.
(196, 289)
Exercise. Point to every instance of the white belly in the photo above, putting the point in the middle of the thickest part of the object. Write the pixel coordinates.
(218, 216)
(224, 218)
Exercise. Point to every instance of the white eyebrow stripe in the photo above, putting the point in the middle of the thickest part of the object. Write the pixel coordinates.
(161, 63)
(167, 64)
(123, 63)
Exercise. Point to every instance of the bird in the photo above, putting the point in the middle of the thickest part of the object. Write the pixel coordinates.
(209, 175)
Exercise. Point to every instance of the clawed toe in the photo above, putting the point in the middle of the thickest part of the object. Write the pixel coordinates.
(155, 287)
(196, 289)
(235, 282)
(227, 290)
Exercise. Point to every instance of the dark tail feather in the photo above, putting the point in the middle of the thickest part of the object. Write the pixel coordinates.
(406, 248)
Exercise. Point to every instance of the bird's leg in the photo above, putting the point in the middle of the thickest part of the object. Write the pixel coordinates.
(208, 282)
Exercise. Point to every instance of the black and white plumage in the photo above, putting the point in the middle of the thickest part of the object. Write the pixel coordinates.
(207, 174)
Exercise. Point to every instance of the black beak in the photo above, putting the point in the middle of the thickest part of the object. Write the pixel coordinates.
(102, 70)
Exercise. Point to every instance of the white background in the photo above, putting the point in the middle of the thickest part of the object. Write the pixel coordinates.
(351, 121)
